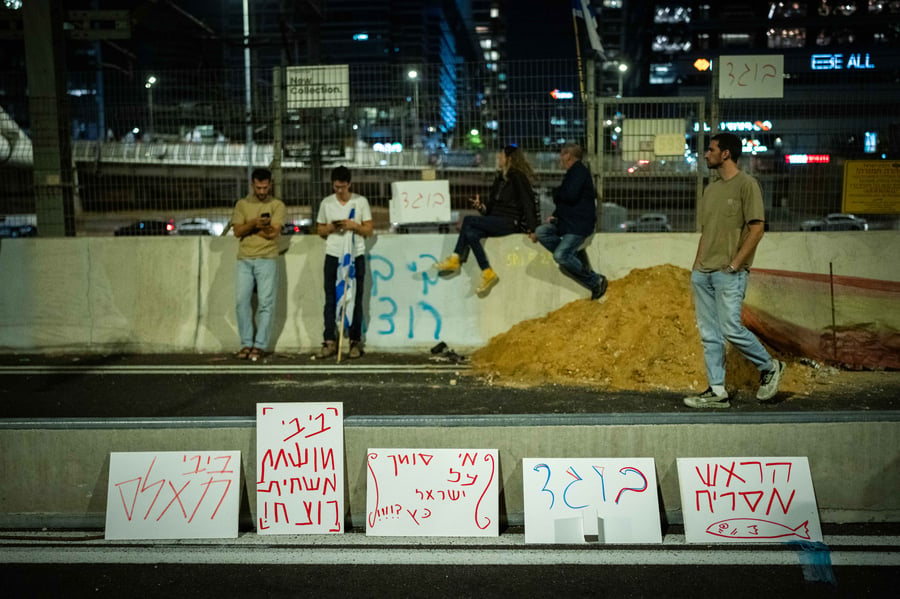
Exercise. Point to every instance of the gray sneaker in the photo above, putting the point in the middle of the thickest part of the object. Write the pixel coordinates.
(708, 399)
(329, 348)
(769, 381)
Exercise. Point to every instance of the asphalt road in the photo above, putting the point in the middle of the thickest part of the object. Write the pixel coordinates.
(217, 385)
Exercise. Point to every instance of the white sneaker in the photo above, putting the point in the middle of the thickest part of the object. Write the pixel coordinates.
(708, 399)
(769, 381)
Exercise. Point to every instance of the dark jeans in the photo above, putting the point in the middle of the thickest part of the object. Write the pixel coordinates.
(568, 254)
(476, 228)
(331, 268)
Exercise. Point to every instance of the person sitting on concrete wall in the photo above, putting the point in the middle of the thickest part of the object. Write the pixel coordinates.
(510, 208)
(573, 221)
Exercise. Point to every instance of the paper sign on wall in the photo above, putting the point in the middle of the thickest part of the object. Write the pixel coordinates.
(173, 495)
(432, 492)
(746, 500)
(759, 76)
(299, 468)
(420, 201)
(581, 500)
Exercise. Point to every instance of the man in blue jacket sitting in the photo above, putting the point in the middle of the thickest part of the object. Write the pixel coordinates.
(573, 221)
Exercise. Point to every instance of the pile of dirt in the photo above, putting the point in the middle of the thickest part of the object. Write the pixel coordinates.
(641, 336)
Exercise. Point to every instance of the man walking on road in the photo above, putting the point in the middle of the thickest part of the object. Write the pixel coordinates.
(257, 221)
(573, 221)
(731, 226)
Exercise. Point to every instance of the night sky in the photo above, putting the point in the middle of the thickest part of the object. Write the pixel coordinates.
(540, 29)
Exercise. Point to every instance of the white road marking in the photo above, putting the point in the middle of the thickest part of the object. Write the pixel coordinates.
(237, 369)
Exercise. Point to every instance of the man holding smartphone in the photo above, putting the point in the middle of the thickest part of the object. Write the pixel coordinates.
(344, 221)
(257, 222)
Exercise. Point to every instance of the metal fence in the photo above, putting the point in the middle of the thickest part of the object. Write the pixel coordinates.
(183, 146)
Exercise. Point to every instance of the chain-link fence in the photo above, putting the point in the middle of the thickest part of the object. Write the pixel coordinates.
(182, 146)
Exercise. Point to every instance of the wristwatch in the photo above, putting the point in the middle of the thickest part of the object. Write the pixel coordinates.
(730, 269)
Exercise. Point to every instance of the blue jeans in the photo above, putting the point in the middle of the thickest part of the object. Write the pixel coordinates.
(263, 272)
(717, 301)
(476, 228)
(568, 254)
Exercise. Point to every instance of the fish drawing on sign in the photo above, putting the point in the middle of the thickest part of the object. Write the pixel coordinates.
(751, 528)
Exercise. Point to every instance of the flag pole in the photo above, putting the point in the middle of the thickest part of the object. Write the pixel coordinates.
(343, 309)
(578, 54)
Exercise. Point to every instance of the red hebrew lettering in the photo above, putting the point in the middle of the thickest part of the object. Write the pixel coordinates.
(311, 484)
(206, 487)
(283, 511)
(758, 464)
(327, 458)
(731, 474)
(468, 457)
(176, 497)
(455, 495)
(330, 482)
(302, 456)
(709, 499)
(298, 429)
(733, 499)
(788, 464)
(196, 458)
(274, 463)
(759, 496)
(159, 484)
(710, 480)
(272, 483)
(322, 427)
(438, 199)
(412, 514)
(266, 409)
(770, 71)
(224, 470)
(336, 524)
(472, 478)
(784, 508)
(308, 508)
(487, 520)
(458, 476)
(335, 410)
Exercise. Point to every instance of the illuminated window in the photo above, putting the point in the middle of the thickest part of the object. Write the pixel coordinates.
(495, 12)
(486, 44)
(786, 38)
(736, 39)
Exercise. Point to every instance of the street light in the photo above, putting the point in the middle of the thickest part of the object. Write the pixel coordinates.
(413, 75)
(623, 68)
(151, 81)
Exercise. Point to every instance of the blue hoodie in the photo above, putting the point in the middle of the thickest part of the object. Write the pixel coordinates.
(576, 202)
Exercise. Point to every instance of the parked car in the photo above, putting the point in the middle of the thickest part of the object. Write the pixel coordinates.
(147, 227)
(197, 226)
(836, 222)
(304, 226)
(17, 230)
(650, 222)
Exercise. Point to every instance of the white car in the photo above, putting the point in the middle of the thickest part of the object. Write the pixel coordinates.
(198, 226)
(650, 222)
(836, 222)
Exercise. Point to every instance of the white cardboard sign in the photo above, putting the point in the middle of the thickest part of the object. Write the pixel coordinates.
(420, 201)
(751, 76)
(432, 492)
(582, 500)
(173, 495)
(748, 500)
(299, 468)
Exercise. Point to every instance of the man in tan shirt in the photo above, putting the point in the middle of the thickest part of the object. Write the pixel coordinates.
(257, 222)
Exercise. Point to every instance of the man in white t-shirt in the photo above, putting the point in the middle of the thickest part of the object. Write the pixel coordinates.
(344, 221)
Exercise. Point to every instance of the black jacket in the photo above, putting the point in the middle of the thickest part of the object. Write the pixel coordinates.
(513, 198)
(576, 202)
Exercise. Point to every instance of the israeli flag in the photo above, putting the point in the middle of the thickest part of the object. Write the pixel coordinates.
(345, 286)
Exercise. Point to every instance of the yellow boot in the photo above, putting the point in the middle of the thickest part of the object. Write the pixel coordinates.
(448, 265)
(488, 279)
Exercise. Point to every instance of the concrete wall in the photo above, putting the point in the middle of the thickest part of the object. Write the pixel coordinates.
(57, 477)
(177, 294)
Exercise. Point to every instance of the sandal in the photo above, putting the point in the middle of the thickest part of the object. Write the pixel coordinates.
(243, 354)
(255, 354)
